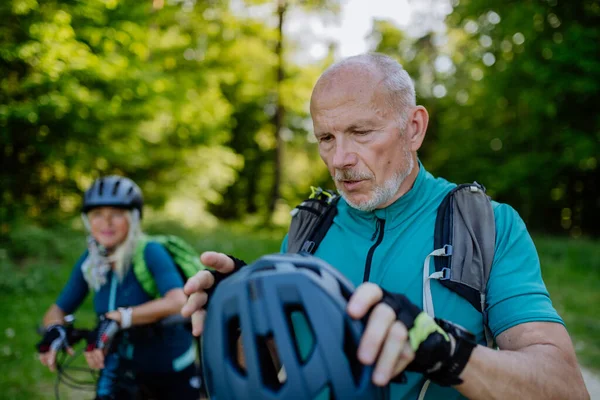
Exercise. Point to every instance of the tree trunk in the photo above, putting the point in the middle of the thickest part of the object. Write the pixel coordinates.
(279, 111)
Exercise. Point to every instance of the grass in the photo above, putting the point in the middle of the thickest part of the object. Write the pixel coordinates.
(35, 263)
(571, 270)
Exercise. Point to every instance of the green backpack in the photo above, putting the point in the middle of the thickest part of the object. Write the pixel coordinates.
(184, 256)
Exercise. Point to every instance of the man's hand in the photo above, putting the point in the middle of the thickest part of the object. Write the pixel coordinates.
(400, 336)
(385, 340)
(55, 339)
(201, 285)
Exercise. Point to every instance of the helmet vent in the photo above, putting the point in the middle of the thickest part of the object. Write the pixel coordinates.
(234, 351)
(296, 316)
(325, 393)
(255, 290)
(270, 364)
(116, 188)
(265, 268)
(351, 349)
(346, 292)
(101, 187)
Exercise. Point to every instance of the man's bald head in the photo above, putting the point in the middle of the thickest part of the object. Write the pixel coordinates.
(377, 71)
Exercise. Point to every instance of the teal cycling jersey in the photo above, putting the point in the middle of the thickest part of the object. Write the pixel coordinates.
(151, 350)
(388, 247)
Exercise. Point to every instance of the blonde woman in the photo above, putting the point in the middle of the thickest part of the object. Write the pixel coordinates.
(157, 362)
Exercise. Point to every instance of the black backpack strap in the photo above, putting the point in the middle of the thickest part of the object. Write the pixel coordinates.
(464, 245)
(311, 244)
(311, 220)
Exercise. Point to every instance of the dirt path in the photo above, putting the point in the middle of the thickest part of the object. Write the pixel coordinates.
(592, 381)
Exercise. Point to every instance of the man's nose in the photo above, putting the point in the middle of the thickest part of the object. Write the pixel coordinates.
(344, 155)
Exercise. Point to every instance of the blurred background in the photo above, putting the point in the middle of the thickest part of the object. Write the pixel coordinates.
(205, 105)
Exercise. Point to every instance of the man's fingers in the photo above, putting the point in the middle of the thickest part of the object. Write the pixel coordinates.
(363, 299)
(406, 357)
(219, 261)
(70, 351)
(201, 281)
(198, 322)
(375, 333)
(393, 357)
(194, 303)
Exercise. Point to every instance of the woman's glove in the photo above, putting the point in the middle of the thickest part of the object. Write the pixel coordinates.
(103, 334)
(55, 338)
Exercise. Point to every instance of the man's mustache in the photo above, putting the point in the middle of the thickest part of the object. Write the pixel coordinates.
(351, 175)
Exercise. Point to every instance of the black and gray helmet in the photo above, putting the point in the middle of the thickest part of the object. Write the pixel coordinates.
(265, 302)
(113, 191)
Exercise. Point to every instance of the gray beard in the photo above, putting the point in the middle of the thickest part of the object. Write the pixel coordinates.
(383, 193)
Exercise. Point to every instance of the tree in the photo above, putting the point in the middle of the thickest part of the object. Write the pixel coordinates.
(277, 111)
(514, 107)
(107, 86)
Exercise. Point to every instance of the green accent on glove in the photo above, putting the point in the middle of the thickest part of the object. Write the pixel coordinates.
(424, 326)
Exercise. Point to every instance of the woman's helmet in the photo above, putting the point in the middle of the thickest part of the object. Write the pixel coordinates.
(113, 191)
(298, 341)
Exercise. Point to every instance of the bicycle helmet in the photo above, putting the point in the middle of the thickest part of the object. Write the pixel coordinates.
(113, 191)
(261, 301)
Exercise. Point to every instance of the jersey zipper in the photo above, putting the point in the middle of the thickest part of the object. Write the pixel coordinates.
(379, 234)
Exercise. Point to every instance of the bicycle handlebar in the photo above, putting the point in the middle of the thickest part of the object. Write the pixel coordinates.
(75, 335)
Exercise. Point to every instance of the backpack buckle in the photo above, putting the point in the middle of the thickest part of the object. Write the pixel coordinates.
(446, 274)
(447, 249)
(315, 192)
(308, 246)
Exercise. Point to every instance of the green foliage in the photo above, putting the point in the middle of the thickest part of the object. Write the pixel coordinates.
(179, 96)
(34, 265)
(29, 257)
(511, 91)
(200, 103)
(98, 87)
(571, 270)
(270, 116)
(33, 242)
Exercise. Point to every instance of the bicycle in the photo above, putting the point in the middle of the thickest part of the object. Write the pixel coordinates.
(85, 379)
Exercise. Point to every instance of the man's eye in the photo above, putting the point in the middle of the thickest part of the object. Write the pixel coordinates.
(362, 133)
(325, 139)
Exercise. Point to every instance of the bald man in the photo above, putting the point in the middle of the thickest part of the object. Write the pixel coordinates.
(369, 129)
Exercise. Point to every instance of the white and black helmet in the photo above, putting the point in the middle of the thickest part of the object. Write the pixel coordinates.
(113, 191)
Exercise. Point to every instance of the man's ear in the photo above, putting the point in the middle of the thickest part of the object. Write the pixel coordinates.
(416, 127)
